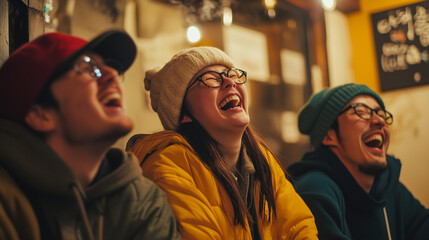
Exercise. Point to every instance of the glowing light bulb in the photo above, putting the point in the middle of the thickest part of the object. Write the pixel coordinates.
(227, 16)
(193, 34)
(329, 5)
(270, 3)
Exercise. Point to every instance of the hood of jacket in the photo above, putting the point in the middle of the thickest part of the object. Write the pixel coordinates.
(324, 160)
(155, 142)
(34, 164)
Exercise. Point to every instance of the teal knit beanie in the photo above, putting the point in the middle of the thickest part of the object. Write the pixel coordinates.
(320, 112)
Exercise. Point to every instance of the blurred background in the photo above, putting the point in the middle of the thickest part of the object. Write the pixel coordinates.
(290, 49)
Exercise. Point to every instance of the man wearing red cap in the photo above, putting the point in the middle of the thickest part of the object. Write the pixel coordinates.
(61, 109)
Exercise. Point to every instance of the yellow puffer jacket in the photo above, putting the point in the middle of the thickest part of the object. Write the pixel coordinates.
(200, 202)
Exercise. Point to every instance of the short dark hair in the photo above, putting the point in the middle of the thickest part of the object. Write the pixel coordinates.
(336, 128)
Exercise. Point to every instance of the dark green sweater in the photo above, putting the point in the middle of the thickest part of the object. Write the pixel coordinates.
(343, 210)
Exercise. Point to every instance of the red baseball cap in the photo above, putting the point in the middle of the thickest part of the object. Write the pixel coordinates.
(39, 62)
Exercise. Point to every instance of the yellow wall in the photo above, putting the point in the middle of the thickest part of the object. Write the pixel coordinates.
(364, 64)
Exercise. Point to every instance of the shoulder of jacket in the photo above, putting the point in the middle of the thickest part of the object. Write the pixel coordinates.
(143, 146)
(317, 182)
(6, 180)
(18, 207)
(156, 140)
(146, 189)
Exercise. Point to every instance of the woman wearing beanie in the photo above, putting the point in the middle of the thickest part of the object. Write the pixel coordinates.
(220, 178)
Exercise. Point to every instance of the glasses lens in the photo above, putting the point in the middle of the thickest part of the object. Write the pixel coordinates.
(96, 72)
(389, 118)
(381, 113)
(85, 64)
(237, 75)
(211, 79)
(363, 112)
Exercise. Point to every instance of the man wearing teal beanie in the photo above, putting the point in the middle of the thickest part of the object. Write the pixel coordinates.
(349, 181)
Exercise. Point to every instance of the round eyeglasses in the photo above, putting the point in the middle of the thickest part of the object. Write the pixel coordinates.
(214, 79)
(86, 64)
(365, 112)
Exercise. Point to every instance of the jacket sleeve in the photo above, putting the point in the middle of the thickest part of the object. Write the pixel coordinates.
(416, 217)
(294, 219)
(156, 218)
(17, 218)
(171, 170)
(326, 202)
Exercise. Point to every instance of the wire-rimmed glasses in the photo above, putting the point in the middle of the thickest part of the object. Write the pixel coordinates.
(86, 64)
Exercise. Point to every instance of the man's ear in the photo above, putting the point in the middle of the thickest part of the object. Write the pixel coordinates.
(330, 138)
(40, 119)
(186, 119)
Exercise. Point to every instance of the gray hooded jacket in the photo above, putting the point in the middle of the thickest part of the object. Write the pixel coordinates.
(118, 204)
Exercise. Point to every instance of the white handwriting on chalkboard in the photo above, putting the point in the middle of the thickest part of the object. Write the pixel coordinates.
(421, 25)
(402, 17)
(399, 56)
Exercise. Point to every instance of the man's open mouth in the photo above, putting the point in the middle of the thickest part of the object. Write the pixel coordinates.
(374, 140)
(111, 100)
(230, 102)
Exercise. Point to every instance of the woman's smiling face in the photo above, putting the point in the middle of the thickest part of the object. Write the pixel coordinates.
(218, 109)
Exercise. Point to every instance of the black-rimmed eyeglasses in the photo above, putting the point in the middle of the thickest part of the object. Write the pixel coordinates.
(365, 112)
(86, 64)
(214, 79)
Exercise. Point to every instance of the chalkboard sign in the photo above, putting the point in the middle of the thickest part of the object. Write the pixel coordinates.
(401, 38)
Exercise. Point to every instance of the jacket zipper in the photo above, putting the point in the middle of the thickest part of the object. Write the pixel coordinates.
(387, 222)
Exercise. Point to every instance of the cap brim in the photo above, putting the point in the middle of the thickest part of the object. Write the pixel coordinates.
(114, 45)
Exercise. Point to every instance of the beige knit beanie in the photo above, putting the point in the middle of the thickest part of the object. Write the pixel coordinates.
(167, 85)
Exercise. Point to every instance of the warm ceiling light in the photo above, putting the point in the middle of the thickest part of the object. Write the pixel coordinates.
(227, 16)
(329, 5)
(193, 34)
(270, 4)
(271, 13)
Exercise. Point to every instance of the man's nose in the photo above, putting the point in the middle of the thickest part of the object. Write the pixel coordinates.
(109, 74)
(377, 119)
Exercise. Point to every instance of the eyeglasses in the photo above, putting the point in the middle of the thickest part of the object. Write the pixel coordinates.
(86, 64)
(365, 112)
(214, 79)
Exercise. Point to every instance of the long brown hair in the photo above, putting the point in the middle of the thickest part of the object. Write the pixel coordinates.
(209, 152)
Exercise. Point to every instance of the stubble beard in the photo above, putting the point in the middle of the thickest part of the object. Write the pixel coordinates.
(373, 169)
